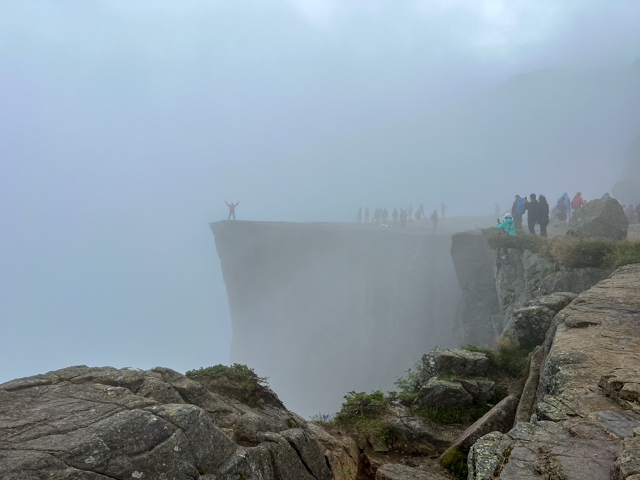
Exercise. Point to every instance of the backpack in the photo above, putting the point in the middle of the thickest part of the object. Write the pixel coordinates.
(520, 206)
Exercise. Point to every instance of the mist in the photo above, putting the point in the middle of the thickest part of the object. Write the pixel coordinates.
(125, 127)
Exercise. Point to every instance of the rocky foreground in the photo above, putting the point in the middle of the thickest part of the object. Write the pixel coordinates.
(586, 417)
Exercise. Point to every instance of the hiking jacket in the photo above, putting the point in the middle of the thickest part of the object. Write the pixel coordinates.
(534, 212)
(543, 214)
(577, 202)
(507, 226)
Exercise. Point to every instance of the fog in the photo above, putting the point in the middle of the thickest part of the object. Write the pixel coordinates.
(124, 127)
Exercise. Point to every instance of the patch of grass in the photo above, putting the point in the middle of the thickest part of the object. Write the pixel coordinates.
(447, 376)
(455, 462)
(360, 414)
(572, 252)
(508, 357)
(237, 381)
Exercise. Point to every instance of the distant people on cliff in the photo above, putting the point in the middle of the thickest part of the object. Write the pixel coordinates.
(562, 210)
(394, 215)
(418, 216)
(376, 216)
(403, 217)
(543, 215)
(517, 210)
(366, 215)
(507, 225)
(360, 215)
(232, 210)
(533, 208)
(443, 208)
(410, 211)
(385, 215)
(421, 208)
(577, 202)
(434, 220)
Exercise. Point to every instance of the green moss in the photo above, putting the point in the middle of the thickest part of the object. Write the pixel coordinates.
(201, 472)
(455, 462)
(448, 376)
(547, 272)
(237, 381)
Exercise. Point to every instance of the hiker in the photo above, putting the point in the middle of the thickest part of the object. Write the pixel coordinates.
(403, 217)
(394, 215)
(630, 212)
(508, 225)
(232, 210)
(562, 209)
(434, 220)
(409, 211)
(418, 216)
(543, 216)
(385, 215)
(443, 208)
(376, 216)
(360, 215)
(366, 215)
(577, 202)
(517, 210)
(421, 208)
(533, 207)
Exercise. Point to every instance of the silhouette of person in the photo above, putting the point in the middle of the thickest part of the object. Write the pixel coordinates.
(366, 215)
(385, 215)
(403, 217)
(394, 215)
(443, 208)
(360, 215)
(232, 210)
(410, 211)
(434, 219)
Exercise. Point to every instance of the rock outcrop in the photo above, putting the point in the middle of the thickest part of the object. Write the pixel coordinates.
(601, 218)
(374, 298)
(104, 423)
(584, 419)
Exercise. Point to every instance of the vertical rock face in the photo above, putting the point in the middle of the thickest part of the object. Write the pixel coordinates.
(324, 309)
(479, 313)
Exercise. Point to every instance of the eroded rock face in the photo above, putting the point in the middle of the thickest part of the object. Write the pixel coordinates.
(601, 218)
(456, 361)
(530, 324)
(99, 423)
(583, 423)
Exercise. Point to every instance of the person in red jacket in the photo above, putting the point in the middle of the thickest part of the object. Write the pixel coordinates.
(577, 202)
(232, 210)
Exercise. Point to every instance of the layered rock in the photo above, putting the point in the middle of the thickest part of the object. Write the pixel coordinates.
(584, 418)
(105, 423)
(374, 298)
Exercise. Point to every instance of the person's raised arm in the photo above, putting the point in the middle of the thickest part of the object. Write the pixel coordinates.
(227, 203)
(237, 203)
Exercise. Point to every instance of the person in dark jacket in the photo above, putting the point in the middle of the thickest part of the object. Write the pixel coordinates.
(533, 207)
(517, 217)
(543, 216)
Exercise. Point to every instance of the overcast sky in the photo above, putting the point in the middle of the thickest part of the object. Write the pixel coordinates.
(124, 126)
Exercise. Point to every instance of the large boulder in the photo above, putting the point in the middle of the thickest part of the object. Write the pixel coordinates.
(412, 435)
(530, 324)
(444, 392)
(341, 452)
(458, 362)
(96, 423)
(601, 218)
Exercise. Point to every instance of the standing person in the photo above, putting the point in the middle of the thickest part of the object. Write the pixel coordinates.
(533, 207)
(360, 215)
(232, 210)
(394, 215)
(366, 215)
(517, 210)
(421, 208)
(508, 224)
(434, 220)
(376, 216)
(418, 216)
(385, 215)
(403, 217)
(409, 211)
(567, 202)
(562, 209)
(630, 213)
(577, 202)
(543, 216)
(443, 208)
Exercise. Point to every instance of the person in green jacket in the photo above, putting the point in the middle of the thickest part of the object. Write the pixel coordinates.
(507, 225)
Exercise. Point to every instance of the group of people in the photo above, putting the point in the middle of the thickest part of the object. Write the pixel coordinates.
(399, 217)
(537, 210)
(632, 213)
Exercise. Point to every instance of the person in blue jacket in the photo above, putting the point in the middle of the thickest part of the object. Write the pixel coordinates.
(507, 225)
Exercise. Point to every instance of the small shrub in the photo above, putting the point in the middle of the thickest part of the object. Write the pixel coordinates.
(511, 358)
(363, 404)
(236, 372)
(447, 376)
(408, 383)
(456, 462)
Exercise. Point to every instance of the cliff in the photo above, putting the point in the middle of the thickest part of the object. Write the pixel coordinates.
(324, 309)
